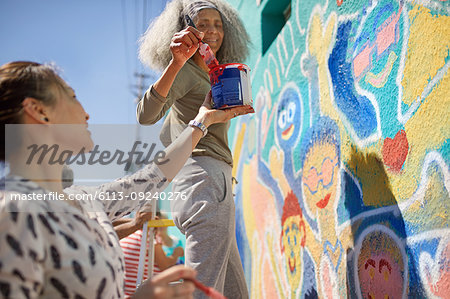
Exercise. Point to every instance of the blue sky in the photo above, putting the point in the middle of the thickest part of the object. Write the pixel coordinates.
(93, 42)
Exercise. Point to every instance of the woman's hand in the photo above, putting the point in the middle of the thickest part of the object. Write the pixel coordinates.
(141, 218)
(208, 116)
(184, 45)
(159, 287)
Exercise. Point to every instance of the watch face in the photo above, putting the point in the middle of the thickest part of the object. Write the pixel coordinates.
(194, 123)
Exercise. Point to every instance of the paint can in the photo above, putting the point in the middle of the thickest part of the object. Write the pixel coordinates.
(230, 85)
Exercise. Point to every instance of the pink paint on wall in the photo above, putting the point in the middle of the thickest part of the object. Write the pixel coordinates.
(270, 289)
(388, 35)
(442, 286)
(326, 273)
(363, 60)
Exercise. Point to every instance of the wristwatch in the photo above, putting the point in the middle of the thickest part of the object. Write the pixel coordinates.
(194, 123)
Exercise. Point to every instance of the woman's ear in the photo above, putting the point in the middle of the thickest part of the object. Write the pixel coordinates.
(35, 111)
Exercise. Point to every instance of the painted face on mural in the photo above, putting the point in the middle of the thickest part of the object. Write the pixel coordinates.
(320, 177)
(379, 277)
(380, 267)
(288, 118)
(293, 240)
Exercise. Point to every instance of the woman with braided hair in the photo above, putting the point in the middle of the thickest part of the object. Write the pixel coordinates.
(207, 217)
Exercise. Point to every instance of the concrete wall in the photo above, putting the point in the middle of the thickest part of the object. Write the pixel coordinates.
(343, 170)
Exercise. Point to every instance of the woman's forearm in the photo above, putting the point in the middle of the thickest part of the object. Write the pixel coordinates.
(121, 221)
(164, 83)
(125, 229)
(162, 260)
(179, 151)
(155, 103)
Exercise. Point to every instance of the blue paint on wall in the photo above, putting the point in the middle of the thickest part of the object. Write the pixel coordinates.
(358, 110)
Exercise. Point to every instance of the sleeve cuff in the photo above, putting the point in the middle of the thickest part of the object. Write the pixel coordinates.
(155, 95)
(156, 173)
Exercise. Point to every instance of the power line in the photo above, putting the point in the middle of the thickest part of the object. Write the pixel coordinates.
(125, 33)
(140, 86)
(136, 23)
(141, 75)
(144, 15)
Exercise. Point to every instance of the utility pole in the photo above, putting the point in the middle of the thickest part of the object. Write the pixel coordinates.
(140, 88)
(140, 85)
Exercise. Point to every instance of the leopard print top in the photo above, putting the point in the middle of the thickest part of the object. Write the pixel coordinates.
(50, 249)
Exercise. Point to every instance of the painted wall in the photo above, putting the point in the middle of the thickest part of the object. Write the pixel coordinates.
(343, 170)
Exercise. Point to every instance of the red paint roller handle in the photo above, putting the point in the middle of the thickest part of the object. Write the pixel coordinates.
(207, 290)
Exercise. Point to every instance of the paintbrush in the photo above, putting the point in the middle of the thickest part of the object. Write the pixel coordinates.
(207, 290)
(204, 49)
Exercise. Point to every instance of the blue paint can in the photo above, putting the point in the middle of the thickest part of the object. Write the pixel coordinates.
(230, 85)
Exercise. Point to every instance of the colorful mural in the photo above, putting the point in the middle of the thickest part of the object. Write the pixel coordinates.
(343, 170)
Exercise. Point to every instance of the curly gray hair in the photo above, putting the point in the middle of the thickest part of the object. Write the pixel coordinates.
(154, 49)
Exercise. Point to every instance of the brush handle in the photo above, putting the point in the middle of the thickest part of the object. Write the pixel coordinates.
(200, 286)
(207, 290)
(205, 50)
(189, 21)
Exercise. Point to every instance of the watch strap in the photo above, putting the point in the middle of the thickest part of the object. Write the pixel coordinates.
(194, 123)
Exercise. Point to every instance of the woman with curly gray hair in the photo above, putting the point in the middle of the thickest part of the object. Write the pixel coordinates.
(207, 217)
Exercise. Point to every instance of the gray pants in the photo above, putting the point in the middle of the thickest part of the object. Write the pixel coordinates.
(207, 220)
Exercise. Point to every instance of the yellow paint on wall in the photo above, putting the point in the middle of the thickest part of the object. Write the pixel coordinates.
(249, 217)
(320, 40)
(238, 148)
(428, 46)
(255, 247)
(431, 211)
(276, 159)
(429, 126)
(275, 263)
